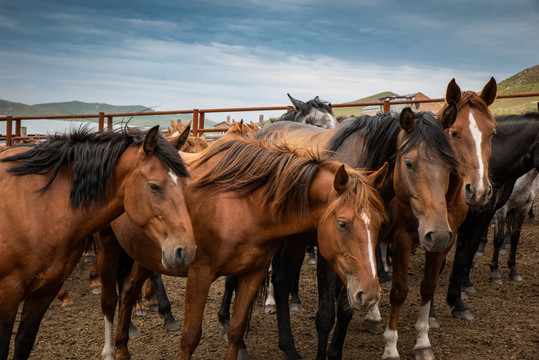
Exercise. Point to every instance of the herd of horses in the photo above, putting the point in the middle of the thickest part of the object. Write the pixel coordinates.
(256, 198)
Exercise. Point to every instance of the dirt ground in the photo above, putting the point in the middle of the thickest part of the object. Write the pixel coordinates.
(505, 325)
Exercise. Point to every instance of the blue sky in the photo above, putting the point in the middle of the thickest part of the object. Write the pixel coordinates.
(174, 55)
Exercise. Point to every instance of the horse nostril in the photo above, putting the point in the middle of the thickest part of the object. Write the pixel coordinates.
(489, 194)
(359, 297)
(178, 255)
(468, 190)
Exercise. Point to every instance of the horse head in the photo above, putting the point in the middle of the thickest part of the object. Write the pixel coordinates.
(470, 136)
(313, 112)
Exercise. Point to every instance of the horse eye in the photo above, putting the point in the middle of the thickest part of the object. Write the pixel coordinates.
(342, 225)
(454, 134)
(408, 164)
(153, 187)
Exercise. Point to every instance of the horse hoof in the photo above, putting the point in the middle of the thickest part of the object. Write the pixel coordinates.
(495, 280)
(312, 261)
(515, 276)
(139, 312)
(296, 307)
(67, 307)
(172, 326)
(386, 283)
(374, 327)
(463, 315)
(96, 290)
(269, 309)
(463, 295)
(424, 354)
(133, 333)
(433, 323)
(242, 354)
(154, 308)
(469, 289)
(89, 258)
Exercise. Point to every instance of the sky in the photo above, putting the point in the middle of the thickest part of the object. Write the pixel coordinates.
(180, 55)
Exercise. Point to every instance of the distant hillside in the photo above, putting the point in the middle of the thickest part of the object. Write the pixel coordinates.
(526, 81)
(358, 110)
(18, 109)
(82, 108)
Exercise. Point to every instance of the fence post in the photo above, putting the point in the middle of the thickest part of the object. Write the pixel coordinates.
(109, 123)
(386, 106)
(201, 121)
(195, 122)
(101, 121)
(9, 129)
(17, 128)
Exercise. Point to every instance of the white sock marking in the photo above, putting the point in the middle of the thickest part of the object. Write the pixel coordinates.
(422, 327)
(109, 351)
(390, 348)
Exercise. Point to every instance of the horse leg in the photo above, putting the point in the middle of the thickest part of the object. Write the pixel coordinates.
(33, 310)
(285, 262)
(312, 254)
(402, 250)
(106, 262)
(507, 240)
(196, 293)
(231, 282)
(63, 296)
(130, 293)
(433, 322)
(344, 316)
(325, 316)
(149, 295)
(95, 281)
(248, 285)
(499, 236)
(381, 265)
(269, 304)
(433, 264)
(10, 306)
(163, 303)
(516, 227)
(295, 302)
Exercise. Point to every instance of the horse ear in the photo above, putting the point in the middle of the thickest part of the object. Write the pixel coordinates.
(453, 92)
(182, 139)
(407, 120)
(449, 115)
(378, 177)
(298, 104)
(340, 181)
(150, 142)
(172, 123)
(488, 94)
(189, 123)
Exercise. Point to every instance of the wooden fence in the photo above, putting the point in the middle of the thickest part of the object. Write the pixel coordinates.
(198, 115)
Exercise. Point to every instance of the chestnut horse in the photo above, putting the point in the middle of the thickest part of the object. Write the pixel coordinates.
(260, 193)
(67, 188)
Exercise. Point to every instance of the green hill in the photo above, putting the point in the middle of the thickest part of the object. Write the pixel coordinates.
(526, 81)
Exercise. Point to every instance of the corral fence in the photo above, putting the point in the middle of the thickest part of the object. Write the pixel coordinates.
(198, 116)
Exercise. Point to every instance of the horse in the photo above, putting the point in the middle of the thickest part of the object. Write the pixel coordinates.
(515, 151)
(313, 112)
(261, 192)
(91, 178)
(461, 130)
(510, 217)
(192, 144)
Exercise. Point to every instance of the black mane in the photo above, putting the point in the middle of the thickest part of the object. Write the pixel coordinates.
(380, 132)
(90, 157)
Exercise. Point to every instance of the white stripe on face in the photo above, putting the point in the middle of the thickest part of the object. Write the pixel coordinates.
(367, 221)
(476, 133)
(174, 177)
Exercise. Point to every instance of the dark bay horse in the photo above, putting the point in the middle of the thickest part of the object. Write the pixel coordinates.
(313, 112)
(68, 187)
(260, 192)
(515, 151)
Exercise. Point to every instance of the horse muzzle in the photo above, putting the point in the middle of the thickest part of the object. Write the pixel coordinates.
(478, 195)
(178, 256)
(366, 295)
(437, 240)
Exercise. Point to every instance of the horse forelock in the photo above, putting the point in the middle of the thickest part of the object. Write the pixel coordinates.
(90, 158)
(359, 194)
(247, 165)
(429, 134)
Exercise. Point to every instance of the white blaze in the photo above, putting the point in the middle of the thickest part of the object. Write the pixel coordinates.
(173, 177)
(367, 221)
(476, 133)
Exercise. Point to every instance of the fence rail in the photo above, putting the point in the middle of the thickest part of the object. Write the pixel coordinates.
(198, 115)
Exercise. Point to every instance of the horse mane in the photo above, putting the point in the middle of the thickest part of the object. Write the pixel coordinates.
(90, 158)
(249, 164)
(380, 132)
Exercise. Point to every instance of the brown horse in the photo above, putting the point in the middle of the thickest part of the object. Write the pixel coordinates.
(245, 197)
(470, 136)
(180, 132)
(65, 189)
